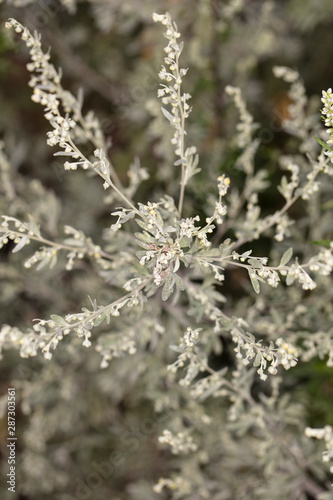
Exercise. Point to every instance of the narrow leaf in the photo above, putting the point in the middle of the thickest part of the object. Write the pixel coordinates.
(182, 161)
(323, 243)
(255, 282)
(257, 359)
(179, 282)
(328, 205)
(168, 287)
(23, 241)
(145, 237)
(255, 263)
(99, 319)
(176, 348)
(290, 279)
(286, 257)
(323, 144)
(59, 320)
(167, 115)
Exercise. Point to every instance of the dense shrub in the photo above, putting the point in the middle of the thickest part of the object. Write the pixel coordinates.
(176, 246)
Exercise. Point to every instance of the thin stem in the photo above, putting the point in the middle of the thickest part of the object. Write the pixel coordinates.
(104, 308)
(58, 246)
(269, 221)
(232, 387)
(96, 313)
(113, 173)
(106, 179)
(272, 219)
(182, 145)
(182, 191)
(246, 266)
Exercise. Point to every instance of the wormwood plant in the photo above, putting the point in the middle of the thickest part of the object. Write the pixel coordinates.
(219, 362)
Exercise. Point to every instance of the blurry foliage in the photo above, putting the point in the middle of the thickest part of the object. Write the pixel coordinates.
(70, 413)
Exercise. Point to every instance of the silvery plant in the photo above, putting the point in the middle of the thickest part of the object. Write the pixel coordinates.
(163, 368)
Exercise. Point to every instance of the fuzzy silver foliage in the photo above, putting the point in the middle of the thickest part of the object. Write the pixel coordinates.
(228, 429)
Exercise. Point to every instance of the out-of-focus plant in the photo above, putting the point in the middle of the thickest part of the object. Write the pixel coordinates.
(182, 368)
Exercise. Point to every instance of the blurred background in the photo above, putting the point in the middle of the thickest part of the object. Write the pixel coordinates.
(70, 414)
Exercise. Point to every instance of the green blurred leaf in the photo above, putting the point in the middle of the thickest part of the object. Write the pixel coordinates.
(323, 144)
(286, 257)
